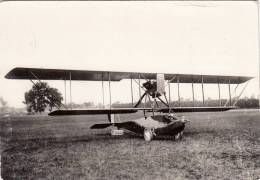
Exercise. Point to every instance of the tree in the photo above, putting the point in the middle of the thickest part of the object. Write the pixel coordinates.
(41, 97)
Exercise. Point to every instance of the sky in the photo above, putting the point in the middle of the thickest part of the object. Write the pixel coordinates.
(219, 38)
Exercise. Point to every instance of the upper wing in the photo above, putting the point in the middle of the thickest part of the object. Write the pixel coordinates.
(134, 110)
(86, 75)
(208, 79)
(64, 74)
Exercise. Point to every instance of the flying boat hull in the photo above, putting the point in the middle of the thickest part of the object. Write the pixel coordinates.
(155, 125)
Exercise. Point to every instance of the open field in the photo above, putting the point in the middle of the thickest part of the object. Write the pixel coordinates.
(215, 146)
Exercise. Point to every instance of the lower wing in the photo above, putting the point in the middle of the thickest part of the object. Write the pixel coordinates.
(196, 109)
(93, 111)
(134, 110)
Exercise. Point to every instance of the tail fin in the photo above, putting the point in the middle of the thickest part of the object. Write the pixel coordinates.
(101, 126)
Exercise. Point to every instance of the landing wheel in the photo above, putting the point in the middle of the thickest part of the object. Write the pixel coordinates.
(148, 135)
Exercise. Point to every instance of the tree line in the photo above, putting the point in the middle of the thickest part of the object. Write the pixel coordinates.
(241, 103)
(43, 98)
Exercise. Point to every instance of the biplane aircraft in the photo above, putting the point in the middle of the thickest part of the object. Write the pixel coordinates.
(163, 121)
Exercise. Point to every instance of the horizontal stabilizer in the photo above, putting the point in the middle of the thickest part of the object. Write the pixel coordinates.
(129, 125)
(101, 126)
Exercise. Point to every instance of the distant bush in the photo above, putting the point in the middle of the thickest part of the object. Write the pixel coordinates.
(81, 106)
(242, 103)
(248, 103)
(5, 110)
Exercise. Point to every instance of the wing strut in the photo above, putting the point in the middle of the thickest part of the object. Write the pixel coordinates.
(103, 96)
(237, 99)
(165, 103)
(109, 81)
(219, 94)
(139, 84)
(169, 86)
(132, 96)
(241, 93)
(70, 93)
(202, 88)
(65, 92)
(193, 98)
(229, 92)
(178, 84)
(230, 96)
(140, 100)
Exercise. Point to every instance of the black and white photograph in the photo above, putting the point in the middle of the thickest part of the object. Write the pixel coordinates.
(115, 90)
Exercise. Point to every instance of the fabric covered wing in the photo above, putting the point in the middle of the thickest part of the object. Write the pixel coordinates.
(197, 109)
(93, 111)
(208, 79)
(65, 74)
(89, 75)
(134, 110)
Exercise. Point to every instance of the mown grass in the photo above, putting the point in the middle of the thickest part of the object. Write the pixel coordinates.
(215, 146)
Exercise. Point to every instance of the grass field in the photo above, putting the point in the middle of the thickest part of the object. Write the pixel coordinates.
(215, 146)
